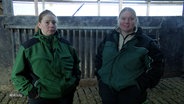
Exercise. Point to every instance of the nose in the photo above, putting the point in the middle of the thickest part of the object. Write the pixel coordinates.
(127, 21)
(51, 24)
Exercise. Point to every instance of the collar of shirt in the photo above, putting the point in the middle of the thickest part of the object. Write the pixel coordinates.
(124, 40)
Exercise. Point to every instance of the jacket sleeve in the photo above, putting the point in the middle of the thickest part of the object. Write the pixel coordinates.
(76, 68)
(98, 58)
(20, 82)
(150, 78)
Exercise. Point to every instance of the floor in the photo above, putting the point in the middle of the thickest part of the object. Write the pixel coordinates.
(168, 91)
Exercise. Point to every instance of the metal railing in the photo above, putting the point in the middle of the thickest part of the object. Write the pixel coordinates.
(84, 39)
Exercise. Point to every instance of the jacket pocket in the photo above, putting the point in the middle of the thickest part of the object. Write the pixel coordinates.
(70, 80)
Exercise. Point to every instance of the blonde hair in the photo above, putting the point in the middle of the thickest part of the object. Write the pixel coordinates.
(40, 17)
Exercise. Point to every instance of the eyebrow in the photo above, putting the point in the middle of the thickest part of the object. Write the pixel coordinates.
(50, 20)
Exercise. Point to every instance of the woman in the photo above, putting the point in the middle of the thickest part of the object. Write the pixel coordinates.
(127, 62)
(46, 67)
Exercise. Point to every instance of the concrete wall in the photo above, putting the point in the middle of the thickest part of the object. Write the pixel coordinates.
(171, 38)
(5, 53)
(1, 9)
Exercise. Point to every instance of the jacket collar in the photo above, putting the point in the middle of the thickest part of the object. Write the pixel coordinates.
(44, 38)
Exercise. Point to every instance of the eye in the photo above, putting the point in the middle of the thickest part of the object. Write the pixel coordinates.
(54, 22)
(132, 18)
(123, 18)
(47, 22)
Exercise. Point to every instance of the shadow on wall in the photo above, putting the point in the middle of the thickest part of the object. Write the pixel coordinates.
(171, 39)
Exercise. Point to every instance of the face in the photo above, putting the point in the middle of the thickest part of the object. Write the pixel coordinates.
(48, 25)
(127, 22)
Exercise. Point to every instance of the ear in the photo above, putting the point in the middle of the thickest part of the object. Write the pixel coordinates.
(39, 25)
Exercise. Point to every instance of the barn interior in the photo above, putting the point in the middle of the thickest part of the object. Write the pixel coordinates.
(85, 31)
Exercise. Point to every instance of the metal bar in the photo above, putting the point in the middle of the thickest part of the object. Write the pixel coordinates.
(19, 38)
(36, 7)
(99, 7)
(148, 8)
(68, 35)
(23, 35)
(81, 27)
(61, 32)
(13, 44)
(60, 27)
(117, 2)
(96, 38)
(30, 33)
(74, 39)
(183, 10)
(78, 9)
(81, 52)
(91, 54)
(43, 5)
(120, 5)
(102, 36)
(85, 55)
(80, 43)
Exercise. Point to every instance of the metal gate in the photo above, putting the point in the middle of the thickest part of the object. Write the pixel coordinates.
(84, 39)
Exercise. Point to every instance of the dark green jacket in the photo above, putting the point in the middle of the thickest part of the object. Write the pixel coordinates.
(139, 62)
(47, 63)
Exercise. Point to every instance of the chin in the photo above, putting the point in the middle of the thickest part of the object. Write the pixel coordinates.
(51, 33)
(127, 30)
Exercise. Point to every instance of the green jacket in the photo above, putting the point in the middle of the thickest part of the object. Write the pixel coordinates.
(139, 62)
(47, 63)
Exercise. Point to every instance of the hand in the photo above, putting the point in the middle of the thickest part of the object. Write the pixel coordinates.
(33, 93)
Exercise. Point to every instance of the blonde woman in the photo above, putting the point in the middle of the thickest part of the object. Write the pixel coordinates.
(127, 62)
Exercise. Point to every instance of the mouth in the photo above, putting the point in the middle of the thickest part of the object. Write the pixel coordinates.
(53, 30)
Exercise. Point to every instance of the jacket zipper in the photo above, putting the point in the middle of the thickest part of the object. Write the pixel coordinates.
(117, 56)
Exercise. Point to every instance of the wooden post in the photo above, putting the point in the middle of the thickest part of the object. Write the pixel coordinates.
(7, 7)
